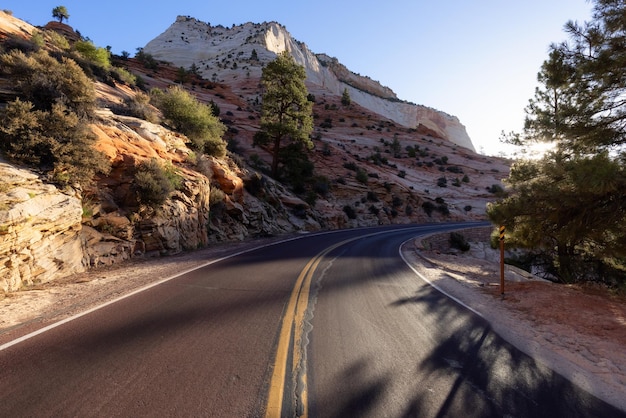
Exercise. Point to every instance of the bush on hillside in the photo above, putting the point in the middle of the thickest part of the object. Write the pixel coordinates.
(138, 106)
(46, 125)
(349, 211)
(458, 241)
(154, 183)
(184, 113)
(428, 207)
(55, 141)
(96, 55)
(43, 80)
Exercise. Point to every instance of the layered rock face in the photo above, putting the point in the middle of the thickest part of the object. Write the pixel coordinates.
(118, 230)
(226, 55)
(39, 230)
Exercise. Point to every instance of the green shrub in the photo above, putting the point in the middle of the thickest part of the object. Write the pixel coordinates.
(147, 60)
(296, 169)
(459, 242)
(57, 40)
(99, 57)
(124, 76)
(361, 176)
(46, 127)
(16, 42)
(153, 184)
(56, 141)
(215, 146)
(139, 106)
(171, 172)
(428, 207)
(38, 40)
(257, 162)
(255, 184)
(44, 81)
(216, 196)
(194, 119)
(454, 169)
(443, 209)
(321, 185)
(496, 189)
(349, 210)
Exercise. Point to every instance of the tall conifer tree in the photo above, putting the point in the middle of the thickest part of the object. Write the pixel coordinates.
(571, 204)
(287, 115)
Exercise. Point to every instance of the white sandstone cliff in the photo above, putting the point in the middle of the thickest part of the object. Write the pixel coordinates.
(39, 230)
(225, 55)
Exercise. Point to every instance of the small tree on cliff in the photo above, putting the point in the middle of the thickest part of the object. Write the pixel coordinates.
(60, 12)
(345, 98)
(286, 115)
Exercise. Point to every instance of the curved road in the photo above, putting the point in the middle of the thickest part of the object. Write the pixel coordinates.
(327, 325)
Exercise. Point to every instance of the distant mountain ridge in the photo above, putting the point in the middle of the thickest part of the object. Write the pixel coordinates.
(228, 54)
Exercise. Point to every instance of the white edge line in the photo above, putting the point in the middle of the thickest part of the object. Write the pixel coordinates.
(607, 393)
(438, 288)
(144, 288)
(134, 292)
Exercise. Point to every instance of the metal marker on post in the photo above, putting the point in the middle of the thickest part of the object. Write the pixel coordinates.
(502, 260)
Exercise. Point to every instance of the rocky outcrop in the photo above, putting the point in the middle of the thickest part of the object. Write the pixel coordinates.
(357, 81)
(119, 229)
(39, 230)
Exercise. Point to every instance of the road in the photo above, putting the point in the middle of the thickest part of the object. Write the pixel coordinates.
(328, 325)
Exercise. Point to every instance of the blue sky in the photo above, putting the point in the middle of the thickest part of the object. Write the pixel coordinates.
(474, 59)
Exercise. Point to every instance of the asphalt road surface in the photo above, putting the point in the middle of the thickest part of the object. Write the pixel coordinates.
(327, 325)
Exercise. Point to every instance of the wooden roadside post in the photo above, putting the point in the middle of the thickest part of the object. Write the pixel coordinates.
(502, 228)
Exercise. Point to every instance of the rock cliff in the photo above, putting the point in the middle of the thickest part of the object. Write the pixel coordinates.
(221, 53)
(39, 230)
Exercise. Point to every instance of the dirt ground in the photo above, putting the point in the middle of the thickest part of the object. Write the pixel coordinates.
(580, 332)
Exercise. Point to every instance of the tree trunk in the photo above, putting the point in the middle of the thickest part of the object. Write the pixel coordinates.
(565, 260)
(275, 158)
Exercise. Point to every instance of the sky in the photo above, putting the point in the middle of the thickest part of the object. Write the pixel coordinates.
(475, 59)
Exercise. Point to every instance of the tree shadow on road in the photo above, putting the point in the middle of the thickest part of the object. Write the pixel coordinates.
(490, 377)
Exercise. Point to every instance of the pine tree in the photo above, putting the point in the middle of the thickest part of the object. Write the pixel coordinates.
(60, 12)
(571, 204)
(345, 98)
(286, 115)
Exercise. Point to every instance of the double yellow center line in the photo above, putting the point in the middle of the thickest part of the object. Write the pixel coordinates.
(292, 330)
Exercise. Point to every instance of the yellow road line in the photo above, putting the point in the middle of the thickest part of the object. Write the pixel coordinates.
(277, 383)
(294, 320)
